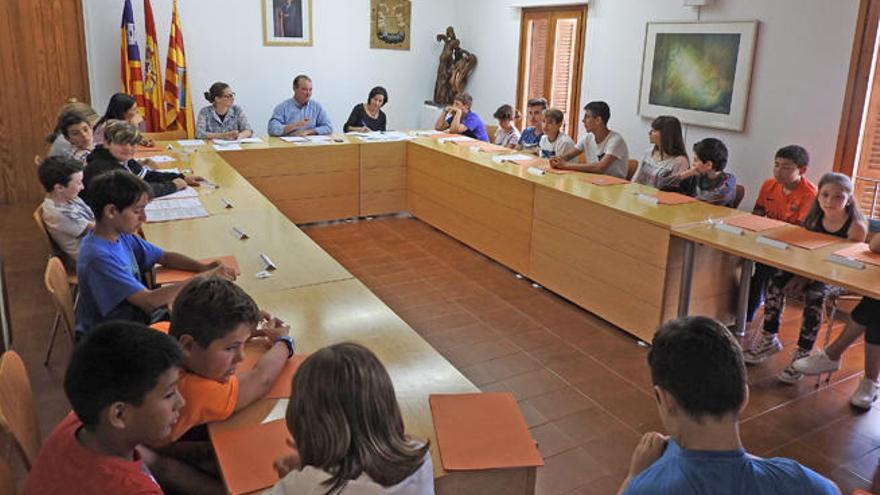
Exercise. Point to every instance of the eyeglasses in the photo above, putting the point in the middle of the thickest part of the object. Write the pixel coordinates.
(227, 96)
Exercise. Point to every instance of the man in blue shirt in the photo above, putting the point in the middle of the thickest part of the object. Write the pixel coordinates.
(112, 259)
(531, 135)
(459, 119)
(300, 115)
(701, 386)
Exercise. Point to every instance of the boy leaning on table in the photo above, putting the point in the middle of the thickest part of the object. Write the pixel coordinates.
(212, 320)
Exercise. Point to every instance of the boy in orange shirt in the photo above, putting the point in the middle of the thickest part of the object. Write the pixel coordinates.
(213, 319)
(786, 196)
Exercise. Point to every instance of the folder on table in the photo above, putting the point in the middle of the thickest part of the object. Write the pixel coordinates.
(860, 252)
(283, 385)
(604, 180)
(482, 431)
(246, 455)
(754, 223)
(484, 146)
(804, 238)
(170, 275)
(673, 198)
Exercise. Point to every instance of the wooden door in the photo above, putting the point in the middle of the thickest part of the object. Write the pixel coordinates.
(43, 60)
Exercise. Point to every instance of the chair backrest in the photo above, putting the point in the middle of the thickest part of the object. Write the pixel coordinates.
(54, 248)
(740, 194)
(166, 135)
(7, 479)
(18, 418)
(58, 286)
(631, 167)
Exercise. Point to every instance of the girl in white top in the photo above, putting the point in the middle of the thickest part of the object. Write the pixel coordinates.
(348, 431)
(667, 158)
(507, 134)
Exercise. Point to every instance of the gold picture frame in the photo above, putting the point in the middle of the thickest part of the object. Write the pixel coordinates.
(390, 22)
(287, 23)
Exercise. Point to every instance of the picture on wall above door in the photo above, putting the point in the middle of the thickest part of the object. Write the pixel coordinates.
(287, 22)
(390, 24)
(698, 72)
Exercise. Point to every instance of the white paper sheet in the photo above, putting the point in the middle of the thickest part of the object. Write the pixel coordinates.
(174, 209)
(191, 142)
(227, 147)
(294, 139)
(511, 158)
(160, 158)
(189, 192)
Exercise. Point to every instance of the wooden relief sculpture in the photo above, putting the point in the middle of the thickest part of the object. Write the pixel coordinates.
(456, 66)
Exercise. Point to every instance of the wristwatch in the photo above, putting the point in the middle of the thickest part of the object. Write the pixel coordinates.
(288, 341)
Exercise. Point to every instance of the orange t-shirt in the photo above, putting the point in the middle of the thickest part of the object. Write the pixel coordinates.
(791, 207)
(206, 401)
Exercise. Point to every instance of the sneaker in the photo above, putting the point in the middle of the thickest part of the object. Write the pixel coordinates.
(816, 364)
(865, 395)
(763, 349)
(789, 374)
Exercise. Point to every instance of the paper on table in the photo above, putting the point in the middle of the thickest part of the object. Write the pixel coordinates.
(281, 389)
(170, 170)
(167, 204)
(320, 139)
(604, 180)
(191, 142)
(227, 147)
(187, 192)
(171, 275)
(673, 198)
(512, 158)
(804, 238)
(860, 252)
(246, 454)
(175, 209)
(482, 145)
(161, 158)
(455, 138)
(429, 132)
(482, 431)
(754, 223)
(235, 141)
(294, 139)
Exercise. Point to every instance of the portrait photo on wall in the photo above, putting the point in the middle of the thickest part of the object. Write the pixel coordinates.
(287, 22)
(390, 24)
(698, 72)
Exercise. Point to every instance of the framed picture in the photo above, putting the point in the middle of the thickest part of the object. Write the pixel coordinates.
(698, 72)
(389, 24)
(287, 22)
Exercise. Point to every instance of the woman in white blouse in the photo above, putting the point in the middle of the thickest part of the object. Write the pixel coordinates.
(667, 158)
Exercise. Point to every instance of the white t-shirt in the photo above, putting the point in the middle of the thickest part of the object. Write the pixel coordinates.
(561, 146)
(506, 138)
(613, 145)
(308, 481)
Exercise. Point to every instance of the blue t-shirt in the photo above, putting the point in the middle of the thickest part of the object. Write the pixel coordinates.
(475, 127)
(528, 138)
(732, 472)
(108, 273)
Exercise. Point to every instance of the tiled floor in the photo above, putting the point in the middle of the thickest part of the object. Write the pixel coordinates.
(583, 386)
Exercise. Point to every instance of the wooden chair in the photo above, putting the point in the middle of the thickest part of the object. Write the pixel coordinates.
(18, 417)
(740, 194)
(631, 167)
(5, 316)
(166, 135)
(7, 479)
(56, 282)
(53, 246)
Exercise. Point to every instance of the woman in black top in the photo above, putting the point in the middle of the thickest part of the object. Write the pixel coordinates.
(366, 117)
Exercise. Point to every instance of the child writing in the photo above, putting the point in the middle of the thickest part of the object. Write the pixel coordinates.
(666, 158)
(833, 212)
(706, 180)
(122, 385)
(112, 259)
(554, 142)
(348, 430)
(66, 215)
(507, 134)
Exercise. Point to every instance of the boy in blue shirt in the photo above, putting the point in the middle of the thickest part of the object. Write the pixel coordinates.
(112, 259)
(701, 386)
(531, 135)
(459, 119)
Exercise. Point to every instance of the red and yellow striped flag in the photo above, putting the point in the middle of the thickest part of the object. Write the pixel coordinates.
(132, 78)
(154, 108)
(178, 105)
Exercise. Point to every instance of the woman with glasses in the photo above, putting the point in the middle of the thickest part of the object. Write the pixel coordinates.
(223, 119)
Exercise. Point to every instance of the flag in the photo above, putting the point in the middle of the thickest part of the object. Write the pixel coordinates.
(178, 105)
(132, 78)
(154, 113)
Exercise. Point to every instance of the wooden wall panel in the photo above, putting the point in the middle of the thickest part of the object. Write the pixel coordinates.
(383, 178)
(42, 52)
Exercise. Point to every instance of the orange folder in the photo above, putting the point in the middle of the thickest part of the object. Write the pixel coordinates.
(754, 223)
(162, 326)
(283, 385)
(170, 275)
(482, 431)
(804, 238)
(860, 252)
(673, 198)
(246, 455)
(604, 180)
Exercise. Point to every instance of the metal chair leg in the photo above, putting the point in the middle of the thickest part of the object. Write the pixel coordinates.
(830, 311)
(52, 338)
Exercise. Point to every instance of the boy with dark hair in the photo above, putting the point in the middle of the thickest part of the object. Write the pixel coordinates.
(606, 151)
(122, 385)
(65, 214)
(701, 386)
(706, 180)
(78, 132)
(459, 119)
(112, 259)
(531, 135)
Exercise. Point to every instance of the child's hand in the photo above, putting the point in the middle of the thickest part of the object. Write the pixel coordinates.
(555, 161)
(219, 269)
(193, 180)
(649, 449)
(289, 463)
(271, 327)
(179, 184)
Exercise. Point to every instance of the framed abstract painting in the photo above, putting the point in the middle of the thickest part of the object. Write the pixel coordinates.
(699, 72)
(287, 22)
